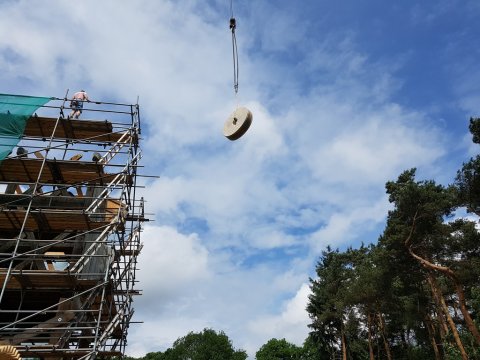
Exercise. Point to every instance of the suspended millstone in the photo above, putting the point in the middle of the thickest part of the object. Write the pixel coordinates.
(237, 124)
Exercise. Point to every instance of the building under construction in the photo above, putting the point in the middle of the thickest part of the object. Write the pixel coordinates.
(70, 223)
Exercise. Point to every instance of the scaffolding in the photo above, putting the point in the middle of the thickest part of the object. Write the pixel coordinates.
(70, 224)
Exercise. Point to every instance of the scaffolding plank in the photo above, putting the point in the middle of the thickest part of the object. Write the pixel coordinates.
(45, 279)
(56, 353)
(24, 170)
(55, 220)
(45, 201)
(71, 129)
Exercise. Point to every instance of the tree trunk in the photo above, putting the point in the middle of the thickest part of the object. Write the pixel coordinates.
(436, 292)
(431, 335)
(404, 339)
(344, 347)
(439, 315)
(452, 276)
(369, 326)
(458, 289)
(442, 323)
(381, 322)
(463, 308)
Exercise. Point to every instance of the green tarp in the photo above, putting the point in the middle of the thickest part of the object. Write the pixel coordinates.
(14, 113)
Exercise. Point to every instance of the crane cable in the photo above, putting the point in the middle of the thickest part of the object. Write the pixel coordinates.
(233, 26)
(240, 120)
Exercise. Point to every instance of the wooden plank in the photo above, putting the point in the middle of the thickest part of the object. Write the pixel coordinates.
(32, 351)
(24, 170)
(38, 281)
(13, 201)
(45, 279)
(72, 129)
(61, 220)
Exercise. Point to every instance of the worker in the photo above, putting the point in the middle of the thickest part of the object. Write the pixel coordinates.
(77, 104)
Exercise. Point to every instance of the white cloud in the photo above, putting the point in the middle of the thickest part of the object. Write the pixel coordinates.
(291, 323)
(171, 262)
(375, 149)
(343, 227)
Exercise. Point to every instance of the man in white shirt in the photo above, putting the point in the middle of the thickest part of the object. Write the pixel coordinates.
(77, 104)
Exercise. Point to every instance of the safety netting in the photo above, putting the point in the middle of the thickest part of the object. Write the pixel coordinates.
(14, 113)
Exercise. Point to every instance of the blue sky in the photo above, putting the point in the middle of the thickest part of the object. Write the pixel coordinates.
(344, 95)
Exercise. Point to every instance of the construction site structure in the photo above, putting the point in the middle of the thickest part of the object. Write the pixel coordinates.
(70, 224)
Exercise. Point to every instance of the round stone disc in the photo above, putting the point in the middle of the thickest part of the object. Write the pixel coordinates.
(238, 123)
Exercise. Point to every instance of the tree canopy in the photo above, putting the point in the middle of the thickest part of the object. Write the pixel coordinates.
(415, 293)
(205, 345)
(276, 349)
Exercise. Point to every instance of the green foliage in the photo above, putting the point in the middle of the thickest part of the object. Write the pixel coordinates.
(345, 280)
(475, 295)
(206, 345)
(276, 349)
(155, 356)
(467, 185)
(311, 350)
(467, 181)
(326, 302)
(474, 128)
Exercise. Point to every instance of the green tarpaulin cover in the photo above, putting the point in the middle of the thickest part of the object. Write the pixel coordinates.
(14, 113)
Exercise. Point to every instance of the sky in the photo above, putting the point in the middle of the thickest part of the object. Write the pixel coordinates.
(344, 95)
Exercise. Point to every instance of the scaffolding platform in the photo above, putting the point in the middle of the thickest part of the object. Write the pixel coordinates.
(86, 130)
(70, 225)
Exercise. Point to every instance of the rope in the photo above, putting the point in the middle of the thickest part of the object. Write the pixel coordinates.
(233, 26)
